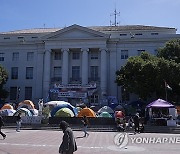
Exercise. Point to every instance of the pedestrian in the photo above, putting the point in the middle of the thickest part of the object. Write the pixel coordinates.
(85, 125)
(2, 124)
(136, 123)
(68, 145)
(18, 122)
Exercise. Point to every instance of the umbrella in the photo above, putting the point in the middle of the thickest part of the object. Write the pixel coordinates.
(86, 112)
(7, 112)
(26, 104)
(105, 114)
(64, 112)
(7, 106)
(23, 111)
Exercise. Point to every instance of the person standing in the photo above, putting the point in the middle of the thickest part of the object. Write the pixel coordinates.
(85, 124)
(68, 145)
(18, 122)
(2, 124)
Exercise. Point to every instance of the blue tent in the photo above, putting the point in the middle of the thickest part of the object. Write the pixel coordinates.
(72, 108)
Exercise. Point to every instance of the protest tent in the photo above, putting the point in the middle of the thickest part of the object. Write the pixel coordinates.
(26, 104)
(7, 106)
(86, 112)
(23, 112)
(64, 112)
(7, 112)
(105, 115)
(106, 109)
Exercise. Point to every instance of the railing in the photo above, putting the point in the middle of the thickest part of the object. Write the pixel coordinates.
(56, 79)
(76, 80)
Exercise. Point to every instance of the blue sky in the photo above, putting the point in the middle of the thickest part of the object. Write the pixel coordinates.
(25, 14)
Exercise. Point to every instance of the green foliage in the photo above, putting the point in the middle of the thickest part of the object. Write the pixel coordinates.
(171, 51)
(144, 75)
(3, 80)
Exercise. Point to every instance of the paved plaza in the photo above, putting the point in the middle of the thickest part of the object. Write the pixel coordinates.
(47, 142)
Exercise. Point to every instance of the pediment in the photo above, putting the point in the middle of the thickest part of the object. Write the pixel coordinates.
(75, 32)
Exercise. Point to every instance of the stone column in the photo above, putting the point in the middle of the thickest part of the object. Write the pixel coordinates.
(103, 71)
(46, 74)
(85, 66)
(65, 66)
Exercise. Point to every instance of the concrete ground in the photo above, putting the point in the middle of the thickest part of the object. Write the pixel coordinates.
(48, 141)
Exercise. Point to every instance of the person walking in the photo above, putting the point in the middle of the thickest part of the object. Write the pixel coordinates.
(136, 123)
(68, 145)
(18, 122)
(2, 124)
(85, 124)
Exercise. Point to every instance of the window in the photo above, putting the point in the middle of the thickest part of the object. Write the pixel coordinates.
(139, 52)
(30, 56)
(138, 34)
(1, 56)
(124, 54)
(28, 93)
(94, 55)
(6, 38)
(14, 73)
(20, 37)
(29, 72)
(94, 99)
(154, 33)
(123, 34)
(94, 73)
(13, 93)
(75, 55)
(15, 56)
(57, 55)
(75, 72)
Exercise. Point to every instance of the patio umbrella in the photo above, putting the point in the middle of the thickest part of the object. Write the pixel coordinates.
(64, 112)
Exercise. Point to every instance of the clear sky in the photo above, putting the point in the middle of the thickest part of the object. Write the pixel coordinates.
(25, 14)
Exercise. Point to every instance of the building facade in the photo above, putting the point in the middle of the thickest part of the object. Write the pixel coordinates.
(74, 63)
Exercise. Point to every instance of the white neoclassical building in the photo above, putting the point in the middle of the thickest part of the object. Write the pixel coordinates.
(74, 63)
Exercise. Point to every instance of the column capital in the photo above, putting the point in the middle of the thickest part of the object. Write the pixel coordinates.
(85, 49)
(103, 49)
(65, 49)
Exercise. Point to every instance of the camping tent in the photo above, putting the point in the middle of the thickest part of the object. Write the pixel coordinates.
(86, 112)
(23, 111)
(105, 115)
(72, 108)
(26, 104)
(64, 112)
(7, 106)
(7, 112)
(105, 109)
(55, 103)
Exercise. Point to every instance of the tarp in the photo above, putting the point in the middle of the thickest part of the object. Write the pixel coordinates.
(26, 104)
(64, 112)
(23, 111)
(86, 112)
(7, 106)
(160, 103)
(106, 109)
(105, 115)
(72, 108)
(7, 112)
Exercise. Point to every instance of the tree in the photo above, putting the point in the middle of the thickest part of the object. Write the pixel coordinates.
(144, 75)
(171, 51)
(3, 80)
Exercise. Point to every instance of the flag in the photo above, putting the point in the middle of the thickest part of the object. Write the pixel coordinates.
(167, 86)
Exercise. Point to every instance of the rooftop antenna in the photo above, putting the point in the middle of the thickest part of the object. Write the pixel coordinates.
(115, 14)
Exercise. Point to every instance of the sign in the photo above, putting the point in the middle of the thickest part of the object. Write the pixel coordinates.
(31, 119)
(71, 86)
